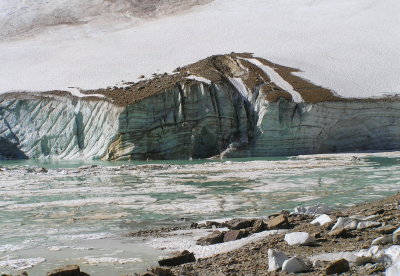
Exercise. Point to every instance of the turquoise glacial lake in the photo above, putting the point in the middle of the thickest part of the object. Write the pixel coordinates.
(73, 212)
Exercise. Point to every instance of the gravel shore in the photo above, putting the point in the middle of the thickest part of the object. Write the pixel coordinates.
(363, 239)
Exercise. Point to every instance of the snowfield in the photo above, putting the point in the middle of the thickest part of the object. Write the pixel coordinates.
(350, 46)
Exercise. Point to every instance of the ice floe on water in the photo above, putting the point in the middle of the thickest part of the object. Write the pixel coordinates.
(10, 247)
(59, 248)
(94, 236)
(20, 264)
(83, 202)
(109, 260)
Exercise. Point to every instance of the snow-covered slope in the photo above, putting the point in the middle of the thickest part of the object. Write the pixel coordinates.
(350, 46)
(21, 16)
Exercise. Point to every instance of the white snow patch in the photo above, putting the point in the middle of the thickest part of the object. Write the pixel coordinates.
(240, 86)
(277, 79)
(200, 79)
(186, 240)
(77, 93)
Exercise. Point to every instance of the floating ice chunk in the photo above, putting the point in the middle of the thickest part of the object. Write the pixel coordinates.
(21, 264)
(59, 248)
(109, 260)
(322, 220)
(91, 236)
(10, 247)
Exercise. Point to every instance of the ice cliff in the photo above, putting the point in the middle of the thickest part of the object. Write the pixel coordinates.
(229, 106)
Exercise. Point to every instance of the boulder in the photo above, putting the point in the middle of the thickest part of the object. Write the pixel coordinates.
(388, 229)
(214, 238)
(69, 270)
(237, 224)
(294, 265)
(322, 220)
(217, 224)
(337, 267)
(338, 233)
(259, 226)
(233, 235)
(299, 238)
(180, 258)
(278, 222)
(161, 271)
(276, 259)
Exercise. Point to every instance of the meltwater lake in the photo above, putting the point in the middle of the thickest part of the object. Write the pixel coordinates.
(58, 213)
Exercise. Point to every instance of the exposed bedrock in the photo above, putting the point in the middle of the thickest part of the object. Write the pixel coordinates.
(240, 113)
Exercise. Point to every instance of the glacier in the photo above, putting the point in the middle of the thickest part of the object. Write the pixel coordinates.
(56, 128)
(224, 106)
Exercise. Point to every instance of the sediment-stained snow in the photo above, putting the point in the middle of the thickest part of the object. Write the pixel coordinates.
(350, 46)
